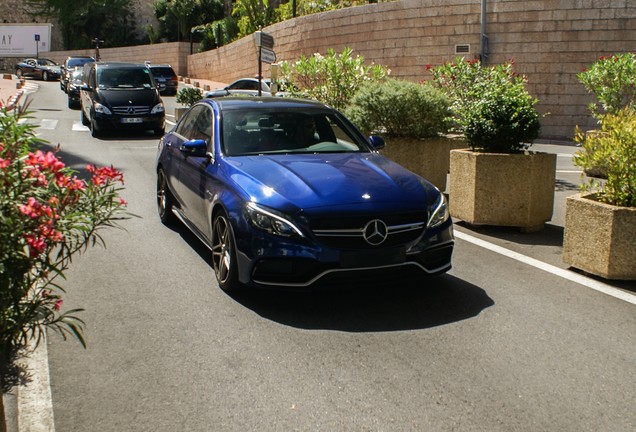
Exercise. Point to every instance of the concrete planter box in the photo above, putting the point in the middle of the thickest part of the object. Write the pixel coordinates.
(179, 112)
(502, 189)
(427, 157)
(600, 238)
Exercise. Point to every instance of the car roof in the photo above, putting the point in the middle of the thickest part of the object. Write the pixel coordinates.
(232, 103)
(119, 65)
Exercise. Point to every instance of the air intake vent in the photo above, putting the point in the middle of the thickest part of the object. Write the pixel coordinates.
(462, 49)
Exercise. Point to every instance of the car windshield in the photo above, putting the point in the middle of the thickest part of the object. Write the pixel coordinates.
(46, 62)
(162, 71)
(77, 62)
(124, 78)
(263, 131)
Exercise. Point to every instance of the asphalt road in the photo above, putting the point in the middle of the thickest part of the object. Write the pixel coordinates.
(501, 343)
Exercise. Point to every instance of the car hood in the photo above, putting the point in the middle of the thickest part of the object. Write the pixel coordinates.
(117, 97)
(295, 182)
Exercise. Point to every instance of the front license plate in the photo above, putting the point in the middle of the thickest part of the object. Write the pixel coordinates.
(372, 258)
(132, 120)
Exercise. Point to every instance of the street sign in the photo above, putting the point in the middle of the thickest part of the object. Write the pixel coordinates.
(263, 40)
(268, 56)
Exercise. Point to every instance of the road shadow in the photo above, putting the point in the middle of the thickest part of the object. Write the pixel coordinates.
(393, 305)
(561, 185)
(418, 304)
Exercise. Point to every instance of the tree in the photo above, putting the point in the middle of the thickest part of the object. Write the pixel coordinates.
(177, 17)
(254, 15)
(81, 22)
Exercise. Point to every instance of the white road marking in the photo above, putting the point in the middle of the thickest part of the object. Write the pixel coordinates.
(78, 126)
(48, 124)
(566, 274)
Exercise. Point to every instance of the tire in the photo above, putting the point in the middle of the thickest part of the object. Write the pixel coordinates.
(164, 200)
(95, 132)
(83, 117)
(19, 73)
(224, 254)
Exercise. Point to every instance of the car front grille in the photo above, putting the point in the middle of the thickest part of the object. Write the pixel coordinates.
(131, 110)
(349, 232)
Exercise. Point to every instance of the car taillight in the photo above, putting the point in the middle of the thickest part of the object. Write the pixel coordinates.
(174, 78)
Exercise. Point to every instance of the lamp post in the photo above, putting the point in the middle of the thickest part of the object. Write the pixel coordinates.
(97, 41)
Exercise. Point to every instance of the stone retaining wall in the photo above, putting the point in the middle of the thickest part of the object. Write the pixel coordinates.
(549, 40)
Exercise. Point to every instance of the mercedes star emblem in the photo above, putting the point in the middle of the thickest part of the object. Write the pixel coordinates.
(375, 232)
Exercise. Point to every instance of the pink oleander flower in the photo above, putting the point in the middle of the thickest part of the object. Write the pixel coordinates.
(101, 176)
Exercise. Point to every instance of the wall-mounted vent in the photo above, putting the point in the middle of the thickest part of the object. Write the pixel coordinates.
(462, 49)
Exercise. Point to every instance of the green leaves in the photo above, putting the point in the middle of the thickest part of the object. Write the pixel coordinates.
(400, 108)
(491, 105)
(187, 96)
(613, 149)
(612, 80)
(332, 79)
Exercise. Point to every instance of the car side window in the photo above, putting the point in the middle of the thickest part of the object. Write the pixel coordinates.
(197, 124)
(245, 85)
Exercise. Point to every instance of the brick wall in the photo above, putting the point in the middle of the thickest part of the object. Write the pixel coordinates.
(173, 53)
(549, 40)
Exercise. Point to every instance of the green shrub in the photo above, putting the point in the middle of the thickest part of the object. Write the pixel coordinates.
(187, 96)
(614, 148)
(332, 79)
(400, 108)
(612, 80)
(491, 105)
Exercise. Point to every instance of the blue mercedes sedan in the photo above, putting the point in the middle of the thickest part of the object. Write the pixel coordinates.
(288, 193)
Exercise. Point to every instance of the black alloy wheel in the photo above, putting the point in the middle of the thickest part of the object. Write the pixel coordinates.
(224, 254)
(164, 200)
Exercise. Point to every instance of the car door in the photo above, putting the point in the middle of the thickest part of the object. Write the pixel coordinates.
(29, 69)
(192, 170)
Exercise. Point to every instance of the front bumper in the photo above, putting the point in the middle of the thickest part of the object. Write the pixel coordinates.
(263, 263)
(138, 122)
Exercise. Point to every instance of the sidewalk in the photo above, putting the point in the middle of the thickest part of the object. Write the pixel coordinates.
(10, 91)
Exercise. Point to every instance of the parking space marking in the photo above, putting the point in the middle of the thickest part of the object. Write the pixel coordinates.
(78, 126)
(566, 274)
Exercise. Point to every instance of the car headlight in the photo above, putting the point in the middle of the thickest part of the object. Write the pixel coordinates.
(271, 221)
(439, 215)
(157, 109)
(99, 108)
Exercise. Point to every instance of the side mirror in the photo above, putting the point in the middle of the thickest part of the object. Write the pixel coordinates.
(198, 148)
(376, 142)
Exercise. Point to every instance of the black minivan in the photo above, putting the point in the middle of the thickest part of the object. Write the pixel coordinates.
(121, 96)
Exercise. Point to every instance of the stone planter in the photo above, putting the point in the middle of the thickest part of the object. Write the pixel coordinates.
(502, 189)
(600, 238)
(427, 157)
(179, 112)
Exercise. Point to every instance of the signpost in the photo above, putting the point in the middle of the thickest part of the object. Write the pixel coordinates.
(265, 44)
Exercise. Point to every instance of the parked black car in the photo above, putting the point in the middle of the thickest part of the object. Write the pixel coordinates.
(121, 96)
(165, 77)
(69, 65)
(42, 68)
